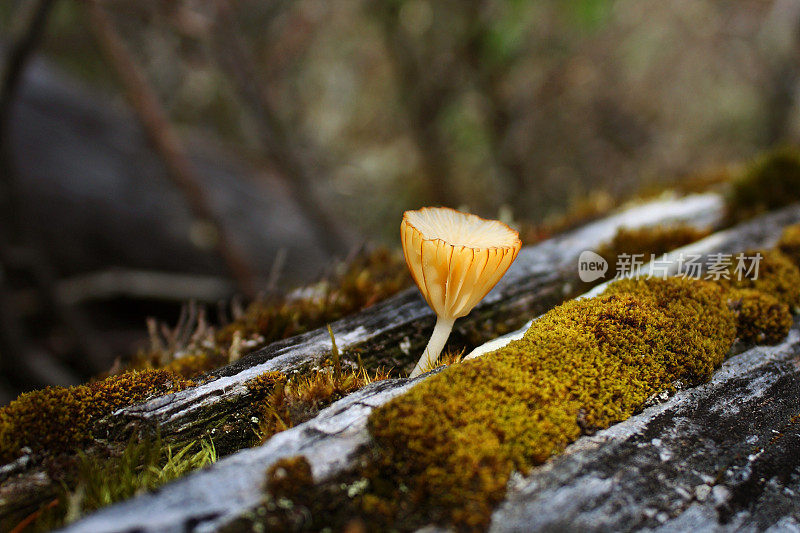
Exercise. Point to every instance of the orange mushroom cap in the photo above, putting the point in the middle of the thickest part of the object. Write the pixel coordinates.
(456, 258)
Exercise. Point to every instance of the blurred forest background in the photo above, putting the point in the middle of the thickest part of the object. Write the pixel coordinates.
(159, 151)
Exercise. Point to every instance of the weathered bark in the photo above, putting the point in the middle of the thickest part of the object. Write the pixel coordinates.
(628, 476)
(720, 457)
(541, 277)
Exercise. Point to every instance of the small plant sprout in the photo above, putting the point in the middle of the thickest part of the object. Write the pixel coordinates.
(455, 258)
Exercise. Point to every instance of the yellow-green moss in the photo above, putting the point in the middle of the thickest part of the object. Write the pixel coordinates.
(60, 419)
(760, 317)
(282, 401)
(263, 384)
(194, 365)
(655, 240)
(700, 333)
(777, 276)
(769, 182)
(789, 243)
(364, 281)
(455, 438)
(289, 477)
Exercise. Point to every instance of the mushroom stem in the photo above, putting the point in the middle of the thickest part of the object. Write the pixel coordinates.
(438, 339)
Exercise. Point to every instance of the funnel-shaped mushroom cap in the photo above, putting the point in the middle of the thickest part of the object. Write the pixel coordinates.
(456, 258)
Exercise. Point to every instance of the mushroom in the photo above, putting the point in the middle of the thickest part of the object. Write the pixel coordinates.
(455, 258)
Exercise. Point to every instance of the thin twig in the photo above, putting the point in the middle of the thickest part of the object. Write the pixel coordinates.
(277, 269)
(143, 284)
(166, 141)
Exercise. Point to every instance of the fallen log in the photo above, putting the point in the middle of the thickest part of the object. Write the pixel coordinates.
(392, 334)
(222, 409)
(705, 430)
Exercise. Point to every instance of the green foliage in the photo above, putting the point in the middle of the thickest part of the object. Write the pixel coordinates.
(141, 467)
(504, 39)
(590, 14)
(60, 419)
(770, 182)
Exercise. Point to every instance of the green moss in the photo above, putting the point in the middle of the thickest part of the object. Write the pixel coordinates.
(100, 480)
(655, 240)
(455, 438)
(777, 276)
(769, 182)
(760, 318)
(282, 401)
(698, 330)
(60, 419)
(789, 243)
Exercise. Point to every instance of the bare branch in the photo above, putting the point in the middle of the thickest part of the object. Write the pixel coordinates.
(166, 141)
(143, 284)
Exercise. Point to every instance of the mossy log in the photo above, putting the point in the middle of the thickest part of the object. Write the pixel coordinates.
(393, 333)
(723, 456)
(703, 458)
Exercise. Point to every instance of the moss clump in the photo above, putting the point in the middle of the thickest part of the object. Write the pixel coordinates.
(282, 401)
(193, 347)
(769, 182)
(364, 281)
(60, 419)
(760, 318)
(698, 328)
(194, 365)
(290, 477)
(789, 243)
(455, 438)
(777, 276)
(655, 240)
(263, 384)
